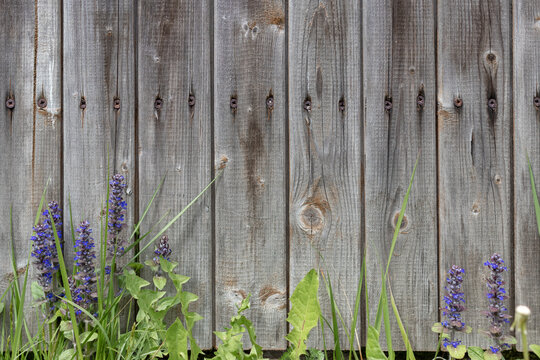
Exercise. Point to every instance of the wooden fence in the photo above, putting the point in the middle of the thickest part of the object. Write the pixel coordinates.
(321, 108)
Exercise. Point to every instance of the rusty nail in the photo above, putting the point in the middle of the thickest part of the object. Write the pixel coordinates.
(10, 103)
(233, 103)
(307, 105)
(82, 104)
(458, 102)
(341, 105)
(157, 104)
(191, 100)
(270, 102)
(420, 101)
(537, 102)
(491, 57)
(492, 104)
(116, 104)
(42, 102)
(388, 104)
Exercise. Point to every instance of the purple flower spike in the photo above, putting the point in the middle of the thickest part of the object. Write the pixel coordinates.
(496, 295)
(84, 294)
(117, 210)
(162, 250)
(454, 300)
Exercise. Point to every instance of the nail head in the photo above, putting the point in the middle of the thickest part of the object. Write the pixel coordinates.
(537, 102)
(341, 105)
(191, 100)
(82, 104)
(10, 103)
(458, 102)
(116, 104)
(420, 100)
(307, 105)
(270, 102)
(42, 102)
(388, 104)
(233, 103)
(492, 104)
(157, 104)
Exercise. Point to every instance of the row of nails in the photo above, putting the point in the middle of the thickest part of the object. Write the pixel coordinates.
(420, 101)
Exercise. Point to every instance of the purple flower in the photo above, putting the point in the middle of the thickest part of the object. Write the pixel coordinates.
(162, 250)
(53, 210)
(454, 300)
(44, 261)
(496, 295)
(84, 294)
(117, 207)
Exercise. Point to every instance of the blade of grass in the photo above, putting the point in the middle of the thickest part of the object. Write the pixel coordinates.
(410, 354)
(387, 329)
(353, 332)
(535, 195)
(337, 348)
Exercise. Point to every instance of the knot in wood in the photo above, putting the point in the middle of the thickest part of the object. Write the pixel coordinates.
(10, 103)
(311, 219)
(191, 100)
(307, 105)
(536, 102)
(492, 104)
(158, 103)
(233, 103)
(404, 222)
(491, 57)
(42, 103)
(270, 102)
(458, 102)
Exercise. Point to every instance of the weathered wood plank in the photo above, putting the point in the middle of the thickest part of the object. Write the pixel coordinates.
(475, 144)
(98, 68)
(175, 137)
(30, 138)
(399, 88)
(325, 148)
(526, 45)
(251, 130)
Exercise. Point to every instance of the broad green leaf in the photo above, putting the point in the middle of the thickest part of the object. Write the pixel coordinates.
(373, 347)
(468, 330)
(535, 349)
(37, 291)
(176, 341)
(159, 282)
(457, 352)
(437, 327)
(475, 353)
(134, 283)
(508, 339)
(489, 355)
(304, 313)
(67, 354)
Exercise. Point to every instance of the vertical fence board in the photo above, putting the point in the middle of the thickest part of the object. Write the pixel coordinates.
(175, 138)
(325, 148)
(98, 66)
(527, 132)
(475, 176)
(399, 66)
(249, 67)
(29, 138)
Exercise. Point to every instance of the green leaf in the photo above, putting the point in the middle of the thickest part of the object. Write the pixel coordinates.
(37, 291)
(458, 352)
(304, 313)
(467, 330)
(159, 282)
(373, 347)
(437, 327)
(176, 341)
(508, 339)
(67, 354)
(535, 349)
(404, 336)
(134, 283)
(535, 195)
(475, 353)
(490, 355)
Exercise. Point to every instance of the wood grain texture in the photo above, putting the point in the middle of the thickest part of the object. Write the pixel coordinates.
(250, 67)
(526, 70)
(399, 67)
(29, 138)
(475, 145)
(99, 67)
(325, 148)
(174, 63)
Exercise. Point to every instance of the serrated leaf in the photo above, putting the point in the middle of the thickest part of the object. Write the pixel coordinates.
(475, 353)
(535, 349)
(437, 328)
(176, 341)
(159, 282)
(305, 312)
(457, 352)
(373, 346)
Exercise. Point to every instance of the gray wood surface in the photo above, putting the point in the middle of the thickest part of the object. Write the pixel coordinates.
(98, 66)
(175, 140)
(30, 146)
(250, 214)
(325, 149)
(399, 66)
(526, 46)
(474, 145)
